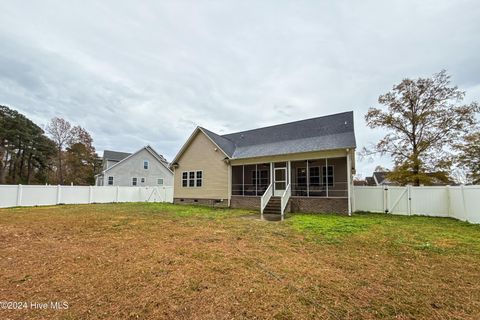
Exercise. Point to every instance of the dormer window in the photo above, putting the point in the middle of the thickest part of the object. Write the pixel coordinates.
(145, 164)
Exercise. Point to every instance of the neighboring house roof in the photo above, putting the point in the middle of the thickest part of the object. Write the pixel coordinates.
(370, 181)
(114, 155)
(317, 134)
(359, 183)
(380, 178)
(158, 156)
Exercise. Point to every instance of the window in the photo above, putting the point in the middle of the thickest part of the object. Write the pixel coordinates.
(199, 179)
(134, 181)
(145, 164)
(110, 181)
(160, 182)
(192, 179)
(302, 176)
(327, 173)
(184, 179)
(142, 180)
(314, 173)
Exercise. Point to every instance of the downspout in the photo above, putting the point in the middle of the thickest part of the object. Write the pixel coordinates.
(349, 179)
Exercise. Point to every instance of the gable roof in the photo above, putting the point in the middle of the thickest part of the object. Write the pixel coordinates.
(114, 155)
(317, 134)
(156, 155)
(223, 143)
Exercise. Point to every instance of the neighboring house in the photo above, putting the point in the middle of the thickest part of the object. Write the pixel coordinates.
(308, 163)
(143, 168)
(379, 178)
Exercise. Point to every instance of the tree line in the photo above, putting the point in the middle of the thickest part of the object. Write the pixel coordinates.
(60, 154)
(431, 133)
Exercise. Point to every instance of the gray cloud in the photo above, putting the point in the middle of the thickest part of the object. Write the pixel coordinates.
(148, 73)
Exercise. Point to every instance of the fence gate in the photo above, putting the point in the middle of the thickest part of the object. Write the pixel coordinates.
(397, 200)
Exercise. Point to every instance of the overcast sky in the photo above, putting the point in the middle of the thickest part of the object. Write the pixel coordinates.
(147, 72)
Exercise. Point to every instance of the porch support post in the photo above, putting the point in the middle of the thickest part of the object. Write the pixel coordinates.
(256, 180)
(326, 175)
(349, 178)
(289, 173)
(271, 173)
(243, 180)
(308, 181)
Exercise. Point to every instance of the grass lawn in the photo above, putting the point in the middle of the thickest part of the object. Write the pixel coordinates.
(160, 261)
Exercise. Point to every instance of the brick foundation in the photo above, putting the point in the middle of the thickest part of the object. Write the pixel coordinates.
(203, 202)
(245, 202)
(296, 204)
(319, 205)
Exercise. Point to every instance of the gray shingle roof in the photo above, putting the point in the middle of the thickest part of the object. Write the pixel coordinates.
(323, 133)
(114, 155)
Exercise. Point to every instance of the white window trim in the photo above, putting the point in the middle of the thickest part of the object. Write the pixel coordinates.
(136, 181)
(184, 179)
(144, 180)
(160, 184)
(108, 181)
(188, 179)
(196, 171)
(148, 164)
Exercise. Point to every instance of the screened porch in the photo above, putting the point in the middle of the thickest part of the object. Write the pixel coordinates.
(307, 178)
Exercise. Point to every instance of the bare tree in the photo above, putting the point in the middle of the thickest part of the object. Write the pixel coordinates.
(469, 157)
(60, 130)
(424, 119)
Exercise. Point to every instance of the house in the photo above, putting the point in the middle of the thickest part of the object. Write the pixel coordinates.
(302, 166)
(142, 168)
(380, 178)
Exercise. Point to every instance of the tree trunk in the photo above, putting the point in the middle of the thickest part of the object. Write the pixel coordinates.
(60, 171)
(29, 168)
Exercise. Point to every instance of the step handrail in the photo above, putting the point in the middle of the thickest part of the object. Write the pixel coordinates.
(265, 198)
(284, 200)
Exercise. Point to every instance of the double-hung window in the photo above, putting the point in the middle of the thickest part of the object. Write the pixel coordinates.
(134, 181)
(145, 164)
(110, 181)
(327, 173)
(199, 179)
(314, 173)
(184, 179)
(160, 181)
(192, 179)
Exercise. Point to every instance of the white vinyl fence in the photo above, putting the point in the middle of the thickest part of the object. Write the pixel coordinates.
(461, 202)
(39, 195)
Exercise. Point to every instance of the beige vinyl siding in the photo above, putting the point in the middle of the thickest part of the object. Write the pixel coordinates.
(200, 155)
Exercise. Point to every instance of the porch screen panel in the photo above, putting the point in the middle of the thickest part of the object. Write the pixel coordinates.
(336, 177)
(262, 178)
(237, 180)
(316, 187)
(250, 182)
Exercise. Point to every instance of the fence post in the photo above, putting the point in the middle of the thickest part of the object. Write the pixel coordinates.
(464, 213)
(409, 200)
(116, 194)
(385, 198)
(447, 188)
(58, 194)
(19, 195)
(89, 194)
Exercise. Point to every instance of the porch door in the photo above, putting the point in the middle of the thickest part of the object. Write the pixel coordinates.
(280, 181)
